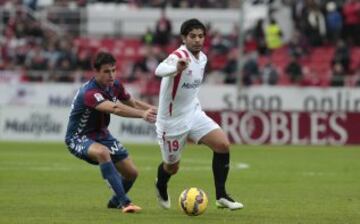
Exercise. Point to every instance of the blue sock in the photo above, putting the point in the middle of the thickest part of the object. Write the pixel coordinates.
(113, 178)
(127, 185)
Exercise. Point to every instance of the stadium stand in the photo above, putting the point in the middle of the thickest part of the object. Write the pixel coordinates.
(47, 48)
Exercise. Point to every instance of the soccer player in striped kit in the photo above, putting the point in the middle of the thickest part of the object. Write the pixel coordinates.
(88, 137)
(180, 115)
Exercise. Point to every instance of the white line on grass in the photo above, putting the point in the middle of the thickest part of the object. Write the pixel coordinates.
(200, 166)
(237, 166)
(242, 166)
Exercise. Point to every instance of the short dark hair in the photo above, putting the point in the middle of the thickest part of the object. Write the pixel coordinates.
(191, 24)
(103, 58)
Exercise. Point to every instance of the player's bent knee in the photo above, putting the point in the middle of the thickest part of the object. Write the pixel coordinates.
(172, 169)
(222, 147)
(103, 154)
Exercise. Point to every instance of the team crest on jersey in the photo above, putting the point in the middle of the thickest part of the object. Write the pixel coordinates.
(98, 97)
(189, 72)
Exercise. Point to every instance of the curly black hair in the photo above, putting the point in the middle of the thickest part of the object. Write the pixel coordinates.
(191, 24)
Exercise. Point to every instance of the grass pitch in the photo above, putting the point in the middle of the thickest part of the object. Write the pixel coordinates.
(44, 183)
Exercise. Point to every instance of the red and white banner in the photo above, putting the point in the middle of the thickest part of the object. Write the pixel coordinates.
(212, 98)
(313, 128)
(21, 123)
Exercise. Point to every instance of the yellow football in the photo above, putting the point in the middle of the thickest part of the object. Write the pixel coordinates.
(193, 201)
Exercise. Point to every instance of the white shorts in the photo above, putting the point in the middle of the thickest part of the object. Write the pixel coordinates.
(171, 146)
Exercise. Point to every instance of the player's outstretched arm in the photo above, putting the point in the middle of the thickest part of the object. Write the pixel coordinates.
(171, 66)
(123, 110)
(138, 104)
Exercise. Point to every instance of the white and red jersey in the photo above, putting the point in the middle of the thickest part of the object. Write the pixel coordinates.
(179, 92)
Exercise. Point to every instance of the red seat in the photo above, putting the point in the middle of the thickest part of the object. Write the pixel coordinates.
(218, 62)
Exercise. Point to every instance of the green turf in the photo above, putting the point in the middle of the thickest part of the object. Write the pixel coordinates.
(43, 183)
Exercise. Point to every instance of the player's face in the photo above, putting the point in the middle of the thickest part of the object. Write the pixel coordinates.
(106, 75)
(194, 41)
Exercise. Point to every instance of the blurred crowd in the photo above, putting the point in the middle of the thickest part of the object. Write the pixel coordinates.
(134, 3)
(140, 3)
(323, 49)
(28, 45)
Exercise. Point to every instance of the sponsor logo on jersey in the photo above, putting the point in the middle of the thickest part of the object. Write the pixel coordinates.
(193, 85)
(98, 97)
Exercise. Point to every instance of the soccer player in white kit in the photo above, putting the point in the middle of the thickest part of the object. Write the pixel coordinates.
(180, 115)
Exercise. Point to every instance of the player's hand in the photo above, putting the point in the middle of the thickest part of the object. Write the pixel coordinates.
(182, 64)
(150, 115)
(154, 109)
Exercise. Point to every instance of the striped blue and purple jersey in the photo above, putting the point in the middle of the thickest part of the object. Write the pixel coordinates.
(84, 118)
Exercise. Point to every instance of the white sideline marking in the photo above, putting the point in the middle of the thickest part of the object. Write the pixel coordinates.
(237, 166)
(313, 173)
(200, 166)
(242, 166)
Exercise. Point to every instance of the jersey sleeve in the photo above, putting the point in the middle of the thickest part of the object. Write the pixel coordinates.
(168, 66)
(92, 98)
(123, 94)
